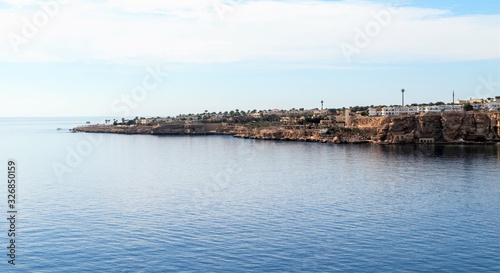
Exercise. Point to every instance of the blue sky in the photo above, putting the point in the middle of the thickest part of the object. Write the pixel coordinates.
(460, 7)
(85, 58)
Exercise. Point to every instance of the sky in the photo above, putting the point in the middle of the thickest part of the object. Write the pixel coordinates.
(125, 58)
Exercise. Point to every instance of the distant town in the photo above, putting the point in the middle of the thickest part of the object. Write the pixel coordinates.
(301, 116)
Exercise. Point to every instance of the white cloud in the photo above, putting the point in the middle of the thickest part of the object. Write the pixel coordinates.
(16, 3)
(295, 31)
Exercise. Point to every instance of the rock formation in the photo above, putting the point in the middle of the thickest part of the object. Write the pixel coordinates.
(165, 129)
(446, 127)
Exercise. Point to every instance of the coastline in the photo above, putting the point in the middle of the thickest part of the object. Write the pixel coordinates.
(444, 128)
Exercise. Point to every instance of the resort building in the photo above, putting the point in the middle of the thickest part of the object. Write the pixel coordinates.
(393, 111)
(412, 110)
(494, 105)
(374, 112)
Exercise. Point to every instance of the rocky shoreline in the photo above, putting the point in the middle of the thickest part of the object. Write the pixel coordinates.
(444, 128)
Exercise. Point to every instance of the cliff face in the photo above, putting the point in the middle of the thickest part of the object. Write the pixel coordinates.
(309, 135)
(448, 127)
(279, 133)
(114, 129)
(166, 129)
(408, 129)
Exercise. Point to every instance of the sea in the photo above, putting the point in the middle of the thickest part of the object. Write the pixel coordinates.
(145, 203)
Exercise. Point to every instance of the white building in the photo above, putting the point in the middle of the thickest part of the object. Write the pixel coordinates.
(454, 107)
(373, 112)
(323, 112)
(293, 112)
(432, 109)
(413, 110)
(478, 106)
(391, 111)
(492, 106)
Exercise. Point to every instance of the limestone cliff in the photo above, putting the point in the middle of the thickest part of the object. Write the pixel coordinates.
(165, 129)
(447, 127)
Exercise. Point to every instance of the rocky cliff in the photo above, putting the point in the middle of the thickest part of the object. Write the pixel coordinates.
(447, 127)
(332, 135)
(165, 129)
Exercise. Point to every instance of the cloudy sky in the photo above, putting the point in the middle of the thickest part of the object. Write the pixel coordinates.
(159, 58)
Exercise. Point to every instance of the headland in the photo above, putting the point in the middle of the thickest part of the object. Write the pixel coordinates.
(472, 127)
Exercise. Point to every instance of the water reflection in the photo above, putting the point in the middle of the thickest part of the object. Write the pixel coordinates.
(444, 151)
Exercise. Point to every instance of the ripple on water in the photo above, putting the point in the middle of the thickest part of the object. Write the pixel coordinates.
(132, 206)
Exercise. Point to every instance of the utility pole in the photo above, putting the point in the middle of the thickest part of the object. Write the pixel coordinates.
(453, 102)
(402, 98)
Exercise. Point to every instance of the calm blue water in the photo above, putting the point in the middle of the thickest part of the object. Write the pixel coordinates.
(115, 203)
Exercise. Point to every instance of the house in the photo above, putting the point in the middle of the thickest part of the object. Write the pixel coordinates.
(326, 122)
(433, 109)
(448, 108)
(166, 120)
(373, 112)
(391, 111)
(492, 106)
(478, 106)
(412, 110)
(277, 112)
(470, 101)
(286, 119)
(318, 113)
(256, 115)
